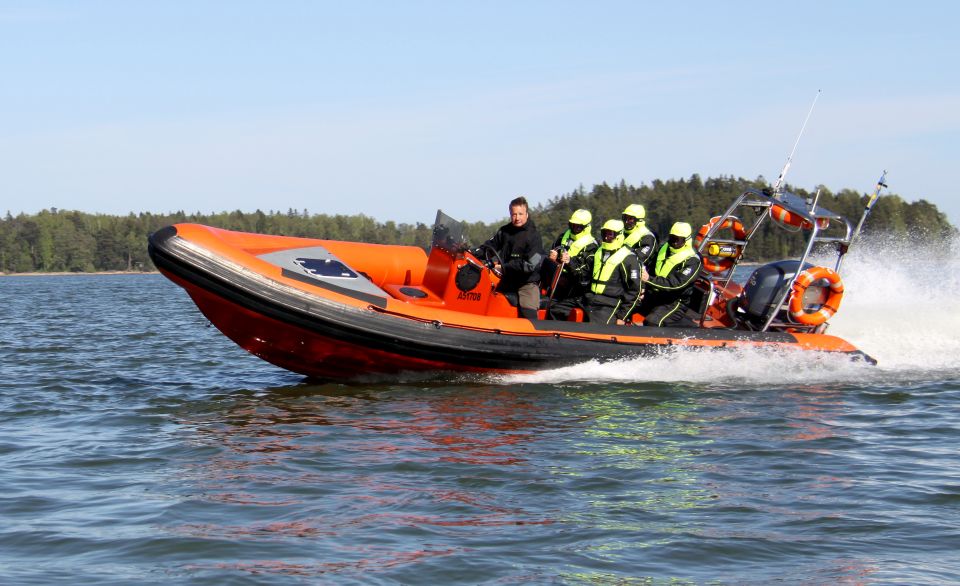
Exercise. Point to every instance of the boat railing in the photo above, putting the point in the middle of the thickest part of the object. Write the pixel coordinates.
(803, 215)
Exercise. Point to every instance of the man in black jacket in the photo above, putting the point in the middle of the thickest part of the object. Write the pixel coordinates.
(521, 250)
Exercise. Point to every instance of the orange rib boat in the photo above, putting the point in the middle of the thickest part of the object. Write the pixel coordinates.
(340, 310)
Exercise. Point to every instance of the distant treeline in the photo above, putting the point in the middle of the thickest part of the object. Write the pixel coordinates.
(72, 241)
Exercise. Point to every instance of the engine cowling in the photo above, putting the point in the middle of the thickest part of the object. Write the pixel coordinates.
(765, 288)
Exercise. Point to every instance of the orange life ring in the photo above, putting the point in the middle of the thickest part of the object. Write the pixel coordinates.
(721, 264)
(786, 218)
(829, 307)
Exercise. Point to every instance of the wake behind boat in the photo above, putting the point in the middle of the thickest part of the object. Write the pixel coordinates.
(343, 310)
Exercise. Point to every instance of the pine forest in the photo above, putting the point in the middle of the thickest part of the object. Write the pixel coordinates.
(74, 241)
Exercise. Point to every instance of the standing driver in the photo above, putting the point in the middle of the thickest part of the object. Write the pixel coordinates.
(521, 251)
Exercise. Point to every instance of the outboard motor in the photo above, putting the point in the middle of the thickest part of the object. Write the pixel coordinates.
(762, 291)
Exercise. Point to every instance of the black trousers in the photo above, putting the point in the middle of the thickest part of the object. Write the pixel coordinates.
(669, 315)
(596, 309)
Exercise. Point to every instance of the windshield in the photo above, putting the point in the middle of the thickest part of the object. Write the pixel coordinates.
(448, 234)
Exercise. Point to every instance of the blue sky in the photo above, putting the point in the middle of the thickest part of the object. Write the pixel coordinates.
(395, 109)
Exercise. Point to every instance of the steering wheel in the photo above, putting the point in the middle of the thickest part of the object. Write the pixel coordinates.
(491, 258)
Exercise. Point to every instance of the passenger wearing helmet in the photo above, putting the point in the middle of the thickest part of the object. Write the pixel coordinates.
(519, 246)
(669, 282)
(638, 237)
(568, 272)
(615, 281)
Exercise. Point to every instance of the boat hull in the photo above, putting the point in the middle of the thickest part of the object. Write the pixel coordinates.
(320, 329)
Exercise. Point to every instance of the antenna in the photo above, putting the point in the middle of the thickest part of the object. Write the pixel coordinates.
(881, 183)
(786, 167)
(843, 247)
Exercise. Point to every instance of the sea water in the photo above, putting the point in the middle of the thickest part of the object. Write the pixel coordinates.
(138, 445)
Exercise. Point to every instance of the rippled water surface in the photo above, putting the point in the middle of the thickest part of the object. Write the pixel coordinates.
(138, 445)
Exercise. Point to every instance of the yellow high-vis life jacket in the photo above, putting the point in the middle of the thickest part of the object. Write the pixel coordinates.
(639, 232)
(665, 265)
(580, 241)
(603, 270)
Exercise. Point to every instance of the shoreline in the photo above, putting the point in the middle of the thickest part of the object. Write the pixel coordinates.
(69, 274)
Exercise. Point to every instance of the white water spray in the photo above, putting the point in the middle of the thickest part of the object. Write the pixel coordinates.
(902, 303)
(901, 306)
